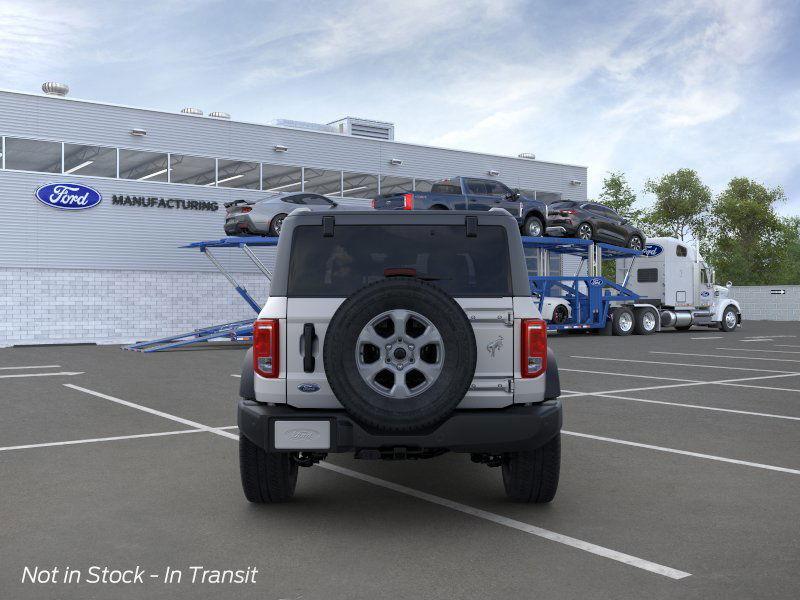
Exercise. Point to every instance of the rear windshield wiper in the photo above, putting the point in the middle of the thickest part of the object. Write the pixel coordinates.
(408, 272)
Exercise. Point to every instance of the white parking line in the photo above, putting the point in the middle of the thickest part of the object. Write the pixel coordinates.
(236, 375)
(65, 373)
(513, 524)
(758, 340)
(153, 411)
(499, 519)
(682, 405)
(110, 439)
(31, 367)
(759, 350)
(794, 360)
(708, 337)
(655, 362)
(683, 452)
(629, 375)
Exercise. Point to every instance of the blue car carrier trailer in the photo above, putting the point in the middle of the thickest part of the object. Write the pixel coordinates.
(594, 302)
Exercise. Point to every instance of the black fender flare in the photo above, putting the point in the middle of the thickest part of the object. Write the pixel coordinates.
(247, 388)
(552, 384)
(535, 213)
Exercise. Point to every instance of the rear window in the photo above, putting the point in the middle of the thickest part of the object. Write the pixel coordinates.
(446, 186)
(356, 255)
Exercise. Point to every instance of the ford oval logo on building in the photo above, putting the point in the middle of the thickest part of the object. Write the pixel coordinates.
(652, 250)
(68, 196)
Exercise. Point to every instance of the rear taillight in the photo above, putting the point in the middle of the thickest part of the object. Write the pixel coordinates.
(568, 212)
(266, 353)
(373, 203)
(247, 209)
(408, 201)
(534, 347)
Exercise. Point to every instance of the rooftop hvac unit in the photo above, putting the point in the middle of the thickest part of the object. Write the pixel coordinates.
(303, 125)
(51, 88)
(527, 155)
(192, 111)
(219, 115)
(376, 130)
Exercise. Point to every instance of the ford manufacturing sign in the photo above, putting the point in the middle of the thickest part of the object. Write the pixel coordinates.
(68, 196)
(652, 250)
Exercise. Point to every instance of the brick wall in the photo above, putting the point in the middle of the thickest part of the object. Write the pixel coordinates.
(758, 303)
(46, 306)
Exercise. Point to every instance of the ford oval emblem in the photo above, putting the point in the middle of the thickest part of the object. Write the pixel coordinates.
(596, 281)
(705, 294)
(68, 196)
(652, 250)
(308, 387)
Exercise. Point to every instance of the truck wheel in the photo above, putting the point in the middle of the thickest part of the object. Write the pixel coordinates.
(622, 322)
(400, 354)
(645, 321)
(635, 243)
(533, 227)
(729, 320)
(266, 476)
(532, 476)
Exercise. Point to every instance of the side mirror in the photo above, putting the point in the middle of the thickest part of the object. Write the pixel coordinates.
(334, 204)
(729, 285)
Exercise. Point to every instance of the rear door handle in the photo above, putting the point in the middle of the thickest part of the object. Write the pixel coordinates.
(308, 338)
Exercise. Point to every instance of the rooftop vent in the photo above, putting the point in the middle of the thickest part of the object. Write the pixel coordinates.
(51, 88)
(219, 115)
(527, 155)
(192, 111)
(376, 130)
(303, 125)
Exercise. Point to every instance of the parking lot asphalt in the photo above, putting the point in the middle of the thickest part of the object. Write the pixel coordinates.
(680, 478)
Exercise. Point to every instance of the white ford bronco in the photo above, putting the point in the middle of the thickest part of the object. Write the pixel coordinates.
(396, 335)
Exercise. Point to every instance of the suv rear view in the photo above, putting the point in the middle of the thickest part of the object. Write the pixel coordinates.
(400, 336)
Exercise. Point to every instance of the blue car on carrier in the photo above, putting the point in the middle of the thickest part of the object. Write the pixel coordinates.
(468, 193)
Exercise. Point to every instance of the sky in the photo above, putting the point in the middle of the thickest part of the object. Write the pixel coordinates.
(639, 87)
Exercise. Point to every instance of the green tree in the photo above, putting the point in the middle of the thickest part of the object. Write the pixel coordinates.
(750, 243)
(618, 195)
(681, 205)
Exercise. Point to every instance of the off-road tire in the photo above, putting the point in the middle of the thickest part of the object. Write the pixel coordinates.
(267, 477)
(532, 476)
(531, 222)
(430, 407)
(619, 320)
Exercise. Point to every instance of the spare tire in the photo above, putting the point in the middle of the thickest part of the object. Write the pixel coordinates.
(399, 355)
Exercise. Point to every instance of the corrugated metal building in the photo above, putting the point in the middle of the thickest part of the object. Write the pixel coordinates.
(115, 272)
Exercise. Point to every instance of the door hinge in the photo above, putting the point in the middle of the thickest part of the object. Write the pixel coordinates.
(510, 386)
(510, 319)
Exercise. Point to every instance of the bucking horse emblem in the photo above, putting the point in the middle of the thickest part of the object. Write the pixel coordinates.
(493, 347)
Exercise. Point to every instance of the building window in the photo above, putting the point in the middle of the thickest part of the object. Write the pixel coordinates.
(396, 185)
(33, 155)
(359, 185)
(423, 185)
(321, 181)
(97, 161)
(237, 174)
(144, 166)
(280, 178)
(194, 170)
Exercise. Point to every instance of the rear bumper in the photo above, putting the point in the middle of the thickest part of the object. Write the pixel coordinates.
(481, 431)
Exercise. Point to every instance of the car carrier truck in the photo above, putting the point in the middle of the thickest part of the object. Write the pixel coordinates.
(667, 284)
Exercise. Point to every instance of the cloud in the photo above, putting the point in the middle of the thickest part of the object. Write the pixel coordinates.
(35, 37)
